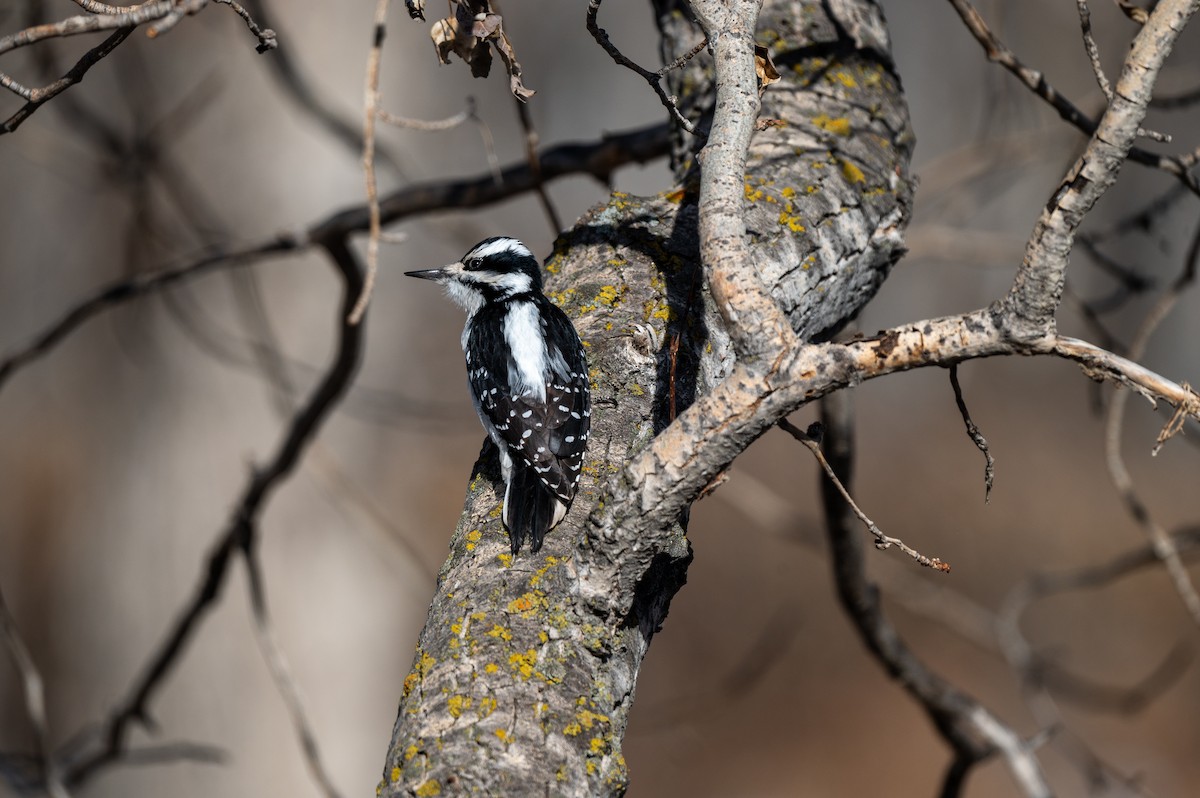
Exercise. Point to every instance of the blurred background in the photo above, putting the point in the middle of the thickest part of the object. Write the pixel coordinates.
(123, 451)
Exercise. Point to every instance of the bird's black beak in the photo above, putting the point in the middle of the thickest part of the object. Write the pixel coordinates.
(438, 275)
(427, 274)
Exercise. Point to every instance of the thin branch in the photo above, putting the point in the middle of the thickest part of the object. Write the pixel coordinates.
(1036, 82)
(1133, 11)
(1173, 102)
(535, 166)
(266, 37)
(653, 78)
(35, 701)
(971, 731)
(240, 531)
(1093, 52)
(1037, 290)
(427, 125)
(344, 127)
(989, 468)
(285, 684)
(599, 159)
(120, 19)
(37, 97)
(1114, 424)
(370, 115)
(811, 440)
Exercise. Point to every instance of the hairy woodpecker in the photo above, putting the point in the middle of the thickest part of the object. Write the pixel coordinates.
(528, 379)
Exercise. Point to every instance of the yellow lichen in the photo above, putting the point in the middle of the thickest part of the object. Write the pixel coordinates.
(491, 667)
(586, 718)
(499, 632)
(845, 78)
(790, 220)
(852, 173)
(597, 745)
(503, 735)
(839, 126)
(473, 537)
(395, 775)
(429, 788)
(487, 705)
(457, 703)
(523, 663)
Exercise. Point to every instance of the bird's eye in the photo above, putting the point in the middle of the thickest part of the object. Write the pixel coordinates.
(474, 264)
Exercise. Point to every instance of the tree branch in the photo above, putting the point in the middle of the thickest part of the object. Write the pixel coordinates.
(240, 532)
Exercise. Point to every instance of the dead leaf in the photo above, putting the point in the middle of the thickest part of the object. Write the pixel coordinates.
(764, 67)
(470, 34)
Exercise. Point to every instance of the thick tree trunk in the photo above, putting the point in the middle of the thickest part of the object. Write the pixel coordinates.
(525, 672)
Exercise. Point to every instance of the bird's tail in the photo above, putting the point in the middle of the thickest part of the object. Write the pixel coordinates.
(530, 508)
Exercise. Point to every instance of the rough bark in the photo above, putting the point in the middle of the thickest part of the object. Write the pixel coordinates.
(525, 671)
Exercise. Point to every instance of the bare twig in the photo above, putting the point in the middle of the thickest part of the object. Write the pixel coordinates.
(811, 440)
(239, 534)
(989, 468)
(285, 684)
(266, 36)
(972, 731)
(370, 114)
(35, 701)
(599, 159)
(1173, 102)
(1114, 424)
(1093, 52)
(37, 97)
(343, 126)
(120, 19)
(1133, 11)
(653, 78)
(428, 125)
(535, 166)
(1036, 82)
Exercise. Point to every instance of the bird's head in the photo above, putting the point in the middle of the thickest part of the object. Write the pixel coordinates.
(493, 270)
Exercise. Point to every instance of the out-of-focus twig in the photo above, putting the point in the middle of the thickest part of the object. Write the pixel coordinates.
(535, 167)
(239, 534)
(370, 115)
(599, 159)
(285, 684)
(35, 701)
(1114, 424)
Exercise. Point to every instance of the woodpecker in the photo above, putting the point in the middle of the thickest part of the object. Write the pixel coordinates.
(528, 378)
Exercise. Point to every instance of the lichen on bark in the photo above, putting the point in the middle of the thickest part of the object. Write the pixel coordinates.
(523, 678)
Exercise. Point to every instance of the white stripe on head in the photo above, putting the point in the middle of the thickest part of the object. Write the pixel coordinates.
(498, 246)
